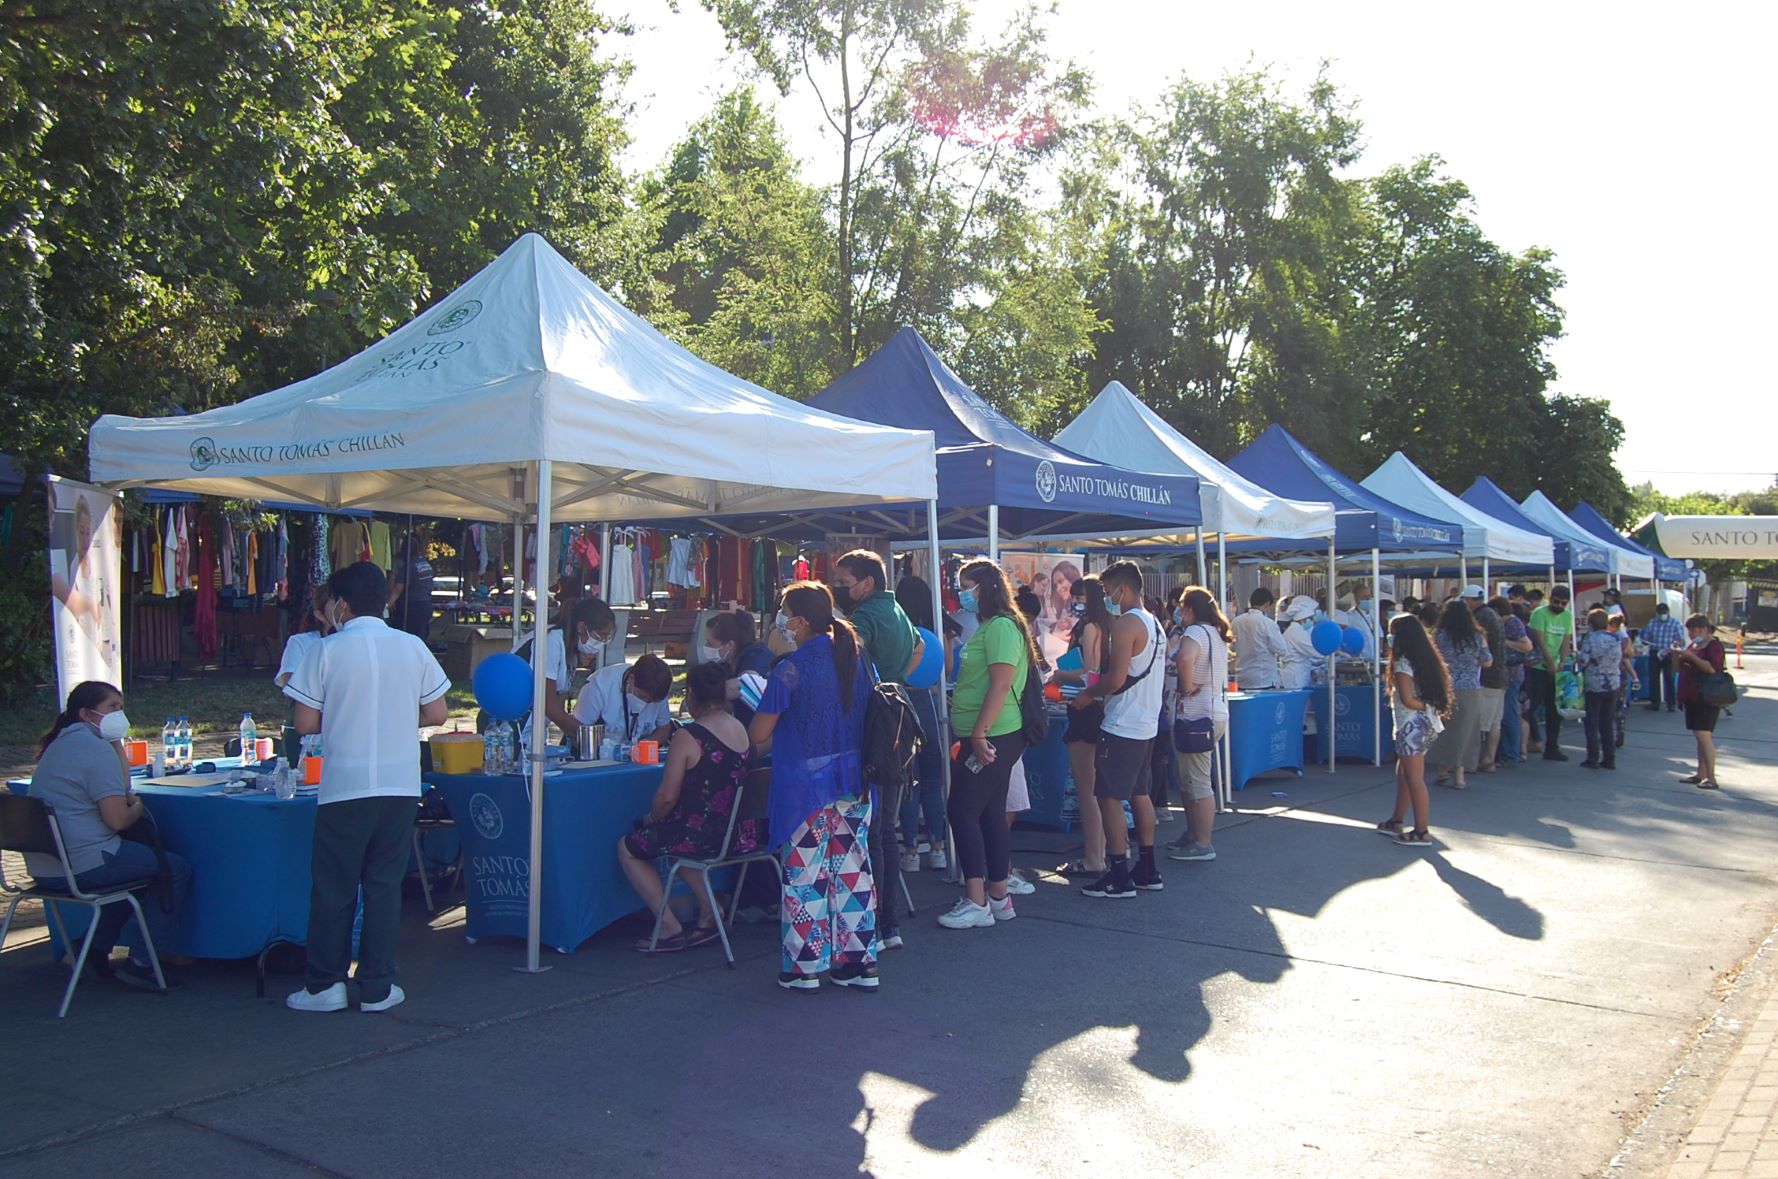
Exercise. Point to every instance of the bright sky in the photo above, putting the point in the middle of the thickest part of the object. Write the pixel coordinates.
(1622, 137)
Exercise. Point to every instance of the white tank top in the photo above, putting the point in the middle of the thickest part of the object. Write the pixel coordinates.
(1135, 712)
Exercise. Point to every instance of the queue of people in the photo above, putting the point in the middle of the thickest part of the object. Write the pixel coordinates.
(1141, 679)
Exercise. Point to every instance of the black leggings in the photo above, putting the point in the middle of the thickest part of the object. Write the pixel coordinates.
(977, 809)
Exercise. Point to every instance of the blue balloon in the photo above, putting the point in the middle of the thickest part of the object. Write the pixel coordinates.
(502, 685)
(925, 674)
(1352, 642)
(1326, 636)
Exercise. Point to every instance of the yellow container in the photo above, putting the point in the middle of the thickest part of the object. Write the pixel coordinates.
(457, 753)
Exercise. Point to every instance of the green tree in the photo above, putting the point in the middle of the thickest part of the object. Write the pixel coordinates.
(1219, 291)
(743, 251)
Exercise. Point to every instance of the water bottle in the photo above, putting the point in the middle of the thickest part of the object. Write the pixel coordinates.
(184, 739)
(490, 752)
(249, 739)
(170, 745)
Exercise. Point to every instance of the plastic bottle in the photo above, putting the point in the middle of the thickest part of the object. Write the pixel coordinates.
(170, 744)
(249, 739)
(184, 740)
(490, 752)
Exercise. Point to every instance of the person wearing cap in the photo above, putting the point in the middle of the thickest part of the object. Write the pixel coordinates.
(1659, 637)
(1300, 655)
(1614, 602)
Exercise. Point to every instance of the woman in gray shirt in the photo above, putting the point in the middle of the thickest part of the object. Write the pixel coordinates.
(83, 774)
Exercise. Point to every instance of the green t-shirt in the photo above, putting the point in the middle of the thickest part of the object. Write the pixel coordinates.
(887, 635)
(1551, 629)
(997, 640)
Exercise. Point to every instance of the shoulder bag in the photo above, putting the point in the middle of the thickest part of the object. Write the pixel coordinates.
(1198, 735)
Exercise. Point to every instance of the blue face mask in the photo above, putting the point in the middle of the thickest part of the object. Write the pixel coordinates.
(966, 598)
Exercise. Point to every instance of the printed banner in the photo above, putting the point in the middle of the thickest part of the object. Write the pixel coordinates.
(85, 570)
(1051, 576)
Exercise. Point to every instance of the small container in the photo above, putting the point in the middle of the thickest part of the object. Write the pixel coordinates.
(137, 751)
(457, 753)
(646, 753)
(311, 771)
(263, 749)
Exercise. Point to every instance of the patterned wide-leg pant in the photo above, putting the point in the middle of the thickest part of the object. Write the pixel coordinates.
(828, 915)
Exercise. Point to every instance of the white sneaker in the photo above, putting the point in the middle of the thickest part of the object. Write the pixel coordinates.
(1018, 886)
(396, 995)
(936, 861)
(910, 861)
(1001, 909)
(332, 999)
(966, 914)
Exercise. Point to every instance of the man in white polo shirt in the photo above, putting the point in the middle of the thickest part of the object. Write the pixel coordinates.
(367, 689)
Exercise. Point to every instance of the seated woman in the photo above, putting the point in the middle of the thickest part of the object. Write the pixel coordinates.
(706, 764)
(83, 772)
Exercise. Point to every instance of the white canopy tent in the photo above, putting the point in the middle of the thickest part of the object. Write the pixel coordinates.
(532, 396)
(1620, 562)
(1484, 536)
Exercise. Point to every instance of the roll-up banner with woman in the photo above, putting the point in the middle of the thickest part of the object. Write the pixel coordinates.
(85, 541)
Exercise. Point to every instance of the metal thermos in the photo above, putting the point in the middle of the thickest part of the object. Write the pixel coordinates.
(586, 742)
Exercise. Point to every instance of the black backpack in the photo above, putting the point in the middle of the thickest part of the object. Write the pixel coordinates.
(892, 737)
(1034, 716)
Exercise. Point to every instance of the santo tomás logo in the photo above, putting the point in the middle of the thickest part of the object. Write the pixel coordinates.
(456, 317)
(484, 812)
(1046, 481)
(203, 454)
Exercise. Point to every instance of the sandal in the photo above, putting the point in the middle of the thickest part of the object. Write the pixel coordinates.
(668, 944)
(1693, 779)
(1442, 780)
(1389, 827)
(1079, 868)
(1708, 784)
(700, 935)
(1418, 837)
(1487, 767)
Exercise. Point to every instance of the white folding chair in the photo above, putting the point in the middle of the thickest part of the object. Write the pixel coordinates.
(29, 825)
(750, 803)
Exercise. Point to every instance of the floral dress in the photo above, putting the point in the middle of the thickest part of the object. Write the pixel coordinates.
(696, 824)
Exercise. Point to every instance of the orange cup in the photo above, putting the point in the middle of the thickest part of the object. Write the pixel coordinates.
(646, 753)
(312, 771)
(137, 751)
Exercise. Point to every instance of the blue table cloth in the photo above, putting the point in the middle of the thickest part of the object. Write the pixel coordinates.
(1048, 777)
(1266, 733)
(1358, 710)
(249, 858)
(585, 813)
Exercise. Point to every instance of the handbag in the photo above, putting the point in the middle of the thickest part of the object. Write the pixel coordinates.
(1718, 690)
(1034, 716)
(1195, 736)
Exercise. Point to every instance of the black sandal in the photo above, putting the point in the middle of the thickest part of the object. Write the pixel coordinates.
(700, 935)
(668, 944)
(1389, 827)
(1079, 868)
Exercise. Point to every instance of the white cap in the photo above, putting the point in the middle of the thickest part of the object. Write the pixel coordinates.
(1472, 591)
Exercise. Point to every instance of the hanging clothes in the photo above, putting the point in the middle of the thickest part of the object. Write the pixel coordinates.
(382, 546)
(204, 620)
(623, 576)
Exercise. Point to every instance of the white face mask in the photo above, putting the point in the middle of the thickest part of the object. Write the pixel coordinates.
(114, 726)
(710, 655)
(782, 622)
(589, 646)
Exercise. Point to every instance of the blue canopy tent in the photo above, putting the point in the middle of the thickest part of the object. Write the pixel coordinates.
(1594, 521)
(996, 480)
(1363, 520)
(1575, 550)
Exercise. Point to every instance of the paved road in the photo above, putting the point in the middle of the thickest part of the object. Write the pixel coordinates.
(1542, 995)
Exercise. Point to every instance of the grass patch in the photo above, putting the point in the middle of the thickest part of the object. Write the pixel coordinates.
(214, 705)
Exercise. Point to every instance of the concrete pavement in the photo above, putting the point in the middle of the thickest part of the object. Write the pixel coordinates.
(1537, 996)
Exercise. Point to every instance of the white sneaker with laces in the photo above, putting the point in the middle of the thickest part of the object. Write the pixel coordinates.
(396, 995)
(1018, 886)
(910, 861)
(966, 914)
(936, 861)
(332, 999)
(1001, 910)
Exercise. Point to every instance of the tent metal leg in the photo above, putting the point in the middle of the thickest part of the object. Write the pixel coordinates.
(1377, 640)
(1333, 686)
(940, 709)
(539, 722)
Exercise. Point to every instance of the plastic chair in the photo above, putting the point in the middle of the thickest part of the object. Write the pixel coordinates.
(750, 803)
(29, 825)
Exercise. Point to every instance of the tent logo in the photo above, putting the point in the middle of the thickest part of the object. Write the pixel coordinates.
(486, 816)
(1046, 481)
(203, 454)
(459, 315)
(1397, 523)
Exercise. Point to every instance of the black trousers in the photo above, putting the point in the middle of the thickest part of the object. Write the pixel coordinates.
(1663, 673)
(977, 809)
(1543, 698)
(362, 843)
(1601, 723)
(885, 858)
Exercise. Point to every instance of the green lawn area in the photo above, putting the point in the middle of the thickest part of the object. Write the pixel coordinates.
(214, 705)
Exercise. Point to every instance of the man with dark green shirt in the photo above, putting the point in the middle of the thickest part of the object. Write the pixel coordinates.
(861, 589)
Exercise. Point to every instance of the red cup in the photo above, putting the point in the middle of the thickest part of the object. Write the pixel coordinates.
(137, 751)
